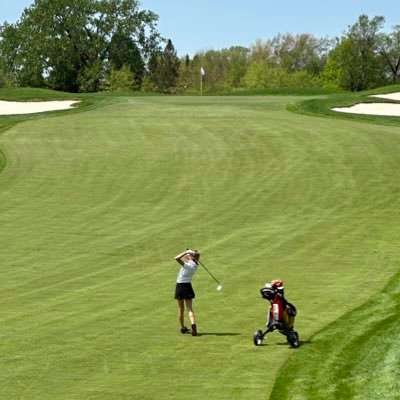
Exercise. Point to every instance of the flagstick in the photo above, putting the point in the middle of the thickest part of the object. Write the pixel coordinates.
(202, 73)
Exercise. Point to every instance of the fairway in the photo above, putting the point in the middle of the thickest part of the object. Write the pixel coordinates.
(95, 205)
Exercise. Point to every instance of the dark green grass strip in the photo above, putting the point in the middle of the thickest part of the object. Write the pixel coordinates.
(322, 107)
(355, 357)
(3, 161)
(32, 94)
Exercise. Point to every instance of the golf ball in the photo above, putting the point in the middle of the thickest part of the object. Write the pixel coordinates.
(219, 287)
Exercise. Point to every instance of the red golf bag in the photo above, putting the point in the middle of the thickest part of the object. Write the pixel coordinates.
(281, 314)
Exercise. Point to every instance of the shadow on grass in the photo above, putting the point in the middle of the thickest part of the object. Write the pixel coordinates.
(219, 334)
(301, 343)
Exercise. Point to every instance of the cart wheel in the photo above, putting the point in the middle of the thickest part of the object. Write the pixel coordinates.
(258, 338)
(293, 339)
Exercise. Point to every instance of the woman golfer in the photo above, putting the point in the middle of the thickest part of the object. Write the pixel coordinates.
(184, 293)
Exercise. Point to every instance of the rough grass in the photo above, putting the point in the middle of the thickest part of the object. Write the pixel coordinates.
(96, 204)
(322, 107)
(356, 357)
(32, 94)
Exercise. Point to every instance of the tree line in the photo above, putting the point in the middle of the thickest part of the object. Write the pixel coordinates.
(93, 45)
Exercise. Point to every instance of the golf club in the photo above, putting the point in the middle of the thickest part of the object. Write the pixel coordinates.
(219, 287)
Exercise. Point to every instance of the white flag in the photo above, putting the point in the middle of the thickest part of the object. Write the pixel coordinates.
(202, 72)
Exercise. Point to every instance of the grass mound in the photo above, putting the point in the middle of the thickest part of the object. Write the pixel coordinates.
(33, 94)
(322, 107)
(356, 357)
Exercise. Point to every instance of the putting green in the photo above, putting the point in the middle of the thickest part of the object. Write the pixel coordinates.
(95, 205)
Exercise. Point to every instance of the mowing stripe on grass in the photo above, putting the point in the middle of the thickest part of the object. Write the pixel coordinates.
(95, 205)
(356, 357)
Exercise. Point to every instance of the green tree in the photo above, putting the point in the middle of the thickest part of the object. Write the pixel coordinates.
(151, 77)
(123, 51)
(302, 52)
(23, 67)
(67, 42)
(260, 51)
(331, 74)
(389, 50)
(121, 80)
(263, 75)
(356, 55)
(364, 35)
(287, 60)
(147, 84)
(238, 60)
(303, 79)
(216, 65)
(224, 69)
(185, 82)
(167, 69)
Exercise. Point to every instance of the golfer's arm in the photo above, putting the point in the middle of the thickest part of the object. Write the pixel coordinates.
(178, 258)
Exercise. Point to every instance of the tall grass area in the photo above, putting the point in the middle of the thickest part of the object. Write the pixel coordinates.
(97, 203)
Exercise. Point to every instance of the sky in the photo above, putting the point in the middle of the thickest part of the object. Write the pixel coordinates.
(201, 25)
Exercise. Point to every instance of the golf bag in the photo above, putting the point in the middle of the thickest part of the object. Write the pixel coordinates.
(281, 314)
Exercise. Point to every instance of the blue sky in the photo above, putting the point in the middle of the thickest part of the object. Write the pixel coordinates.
(195, 25)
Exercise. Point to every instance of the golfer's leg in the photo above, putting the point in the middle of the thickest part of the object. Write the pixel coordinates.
(181, 312)
(189, 308)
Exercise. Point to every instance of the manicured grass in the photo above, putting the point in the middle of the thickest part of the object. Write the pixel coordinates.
(32, 94)
(356, 357)
(2, 161)
(322, 107)
(96, 204)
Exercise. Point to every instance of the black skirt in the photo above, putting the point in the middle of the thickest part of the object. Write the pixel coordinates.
(184, 291)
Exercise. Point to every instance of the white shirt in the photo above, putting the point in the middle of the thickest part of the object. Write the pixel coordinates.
(187, 272)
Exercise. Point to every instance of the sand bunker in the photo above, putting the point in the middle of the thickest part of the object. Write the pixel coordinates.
(32, 107)
(390, 96)
(388, 109)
